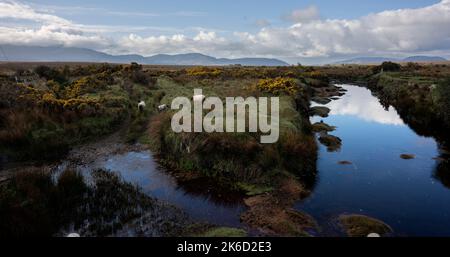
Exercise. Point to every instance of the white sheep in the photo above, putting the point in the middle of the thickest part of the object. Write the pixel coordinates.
(198, 98)
(141, 105)
(162, 107)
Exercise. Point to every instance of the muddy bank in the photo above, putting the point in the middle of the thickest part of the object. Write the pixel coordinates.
(272, 213)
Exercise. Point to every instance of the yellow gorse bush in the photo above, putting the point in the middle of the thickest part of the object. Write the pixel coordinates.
(49, 100)
(278, 86)
(28, 93)
(203, 71)
(84, 85)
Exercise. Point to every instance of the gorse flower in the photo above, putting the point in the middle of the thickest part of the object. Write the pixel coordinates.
(278, 86)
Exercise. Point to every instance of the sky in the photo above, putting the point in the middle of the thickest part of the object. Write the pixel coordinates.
(293, 31)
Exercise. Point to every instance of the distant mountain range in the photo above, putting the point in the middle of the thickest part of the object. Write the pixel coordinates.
(73, 54)
(376, 60)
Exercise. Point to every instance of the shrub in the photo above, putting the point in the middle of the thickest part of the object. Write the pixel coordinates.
(278, 86)
(139, 77)
(50, 74)
(46, 141)
(387, 66)
(204, 71)
(85, 85)
(15, 126)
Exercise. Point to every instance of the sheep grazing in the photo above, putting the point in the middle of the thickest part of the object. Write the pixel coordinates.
(198, 98)
(141, 106)
(162, 107)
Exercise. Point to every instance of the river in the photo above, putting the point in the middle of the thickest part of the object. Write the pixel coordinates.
(405, 194)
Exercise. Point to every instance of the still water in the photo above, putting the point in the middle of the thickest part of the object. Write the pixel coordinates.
(201, 204)
(403, 193)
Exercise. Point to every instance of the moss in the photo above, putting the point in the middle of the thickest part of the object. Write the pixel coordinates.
(224, 232)
(251, 189)
(361, 226)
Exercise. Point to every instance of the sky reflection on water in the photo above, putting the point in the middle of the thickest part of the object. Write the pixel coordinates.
(403, 193)
(360, 103)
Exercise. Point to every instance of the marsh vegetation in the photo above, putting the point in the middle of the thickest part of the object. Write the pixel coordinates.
(48, 111)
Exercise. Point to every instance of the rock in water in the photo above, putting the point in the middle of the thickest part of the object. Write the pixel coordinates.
(321, 111)
(322, 127)
(321, 100)
(407, 156)
(332, 143)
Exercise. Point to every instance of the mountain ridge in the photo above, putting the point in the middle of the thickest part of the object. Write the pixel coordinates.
(377, 59)
(75, 54)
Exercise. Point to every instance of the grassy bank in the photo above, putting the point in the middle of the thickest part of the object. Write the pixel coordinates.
(238, 160)
(422, 102)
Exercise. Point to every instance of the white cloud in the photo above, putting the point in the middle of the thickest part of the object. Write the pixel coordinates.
(14, 10)
(46, 29)
(204, 42)
(393, 32)
(400, 32)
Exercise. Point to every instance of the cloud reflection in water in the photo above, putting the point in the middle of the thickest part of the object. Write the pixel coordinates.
(364, 106)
